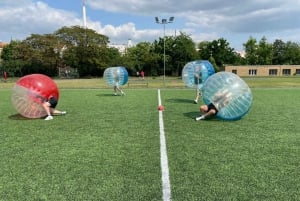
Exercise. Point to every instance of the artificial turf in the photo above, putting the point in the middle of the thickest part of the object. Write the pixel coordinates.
(107, 148)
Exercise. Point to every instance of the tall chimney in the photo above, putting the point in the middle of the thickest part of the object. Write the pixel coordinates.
(84, 13)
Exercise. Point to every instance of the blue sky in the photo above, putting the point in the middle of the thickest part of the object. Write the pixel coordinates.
(203, 20)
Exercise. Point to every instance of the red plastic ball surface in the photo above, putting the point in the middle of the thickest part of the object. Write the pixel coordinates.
(41, 84)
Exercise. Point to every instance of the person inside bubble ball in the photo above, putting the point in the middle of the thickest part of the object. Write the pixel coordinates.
(219, 100)
(49, 105)
(117, 88)
(197, 82)
(207, 111)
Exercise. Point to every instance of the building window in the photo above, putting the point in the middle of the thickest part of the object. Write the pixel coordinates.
(297, 71)
(272, 71)
(252, 72)
(286, 71)
(234, 71)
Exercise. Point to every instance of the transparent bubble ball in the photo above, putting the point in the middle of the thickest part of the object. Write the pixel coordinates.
(195, 73)
(116, 76)
(229, 93)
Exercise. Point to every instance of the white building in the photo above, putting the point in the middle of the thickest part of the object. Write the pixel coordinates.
(122, 47)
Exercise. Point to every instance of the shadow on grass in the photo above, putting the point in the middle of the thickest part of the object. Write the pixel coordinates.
(106, 95)
(18, 117)
(191, 115)
(179, 100)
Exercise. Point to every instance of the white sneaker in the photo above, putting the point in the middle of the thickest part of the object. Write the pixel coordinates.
(195, 101)
(49, 118)
(123, 94)
(63, 112)
(200, 118)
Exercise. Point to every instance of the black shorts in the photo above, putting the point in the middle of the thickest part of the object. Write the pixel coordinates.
(53, 102)
(211, 107)
(197, 80)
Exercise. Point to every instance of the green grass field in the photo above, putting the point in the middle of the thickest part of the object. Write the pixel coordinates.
(108, 148)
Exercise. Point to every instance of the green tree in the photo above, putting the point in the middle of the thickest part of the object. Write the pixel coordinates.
(113, 56)
(264, 52)
(13, 58)
(78, 36)
(204, 50)
(159, 51)
(279, 50)
(40, 54)
(182, 50)
(179, 50)
(86, 50)
(222, 53)
(218, 52)
(292, 54)
(251, 51)
(141, 57)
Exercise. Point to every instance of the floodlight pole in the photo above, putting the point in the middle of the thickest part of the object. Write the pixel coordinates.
(164, 22)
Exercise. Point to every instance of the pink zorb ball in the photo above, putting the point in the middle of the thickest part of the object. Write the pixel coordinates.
(30, 92)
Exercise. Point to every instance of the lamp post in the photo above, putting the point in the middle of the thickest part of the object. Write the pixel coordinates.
(164, 22)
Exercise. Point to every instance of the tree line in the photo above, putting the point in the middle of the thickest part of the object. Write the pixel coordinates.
(88, 52)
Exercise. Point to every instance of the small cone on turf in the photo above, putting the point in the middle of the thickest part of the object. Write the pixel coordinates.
(161, 108)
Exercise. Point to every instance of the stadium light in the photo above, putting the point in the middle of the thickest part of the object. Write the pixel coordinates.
(164, 21)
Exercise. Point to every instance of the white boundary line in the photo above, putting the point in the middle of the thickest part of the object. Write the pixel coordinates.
(163, 157)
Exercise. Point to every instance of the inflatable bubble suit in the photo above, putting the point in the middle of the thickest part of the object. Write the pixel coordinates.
(29, 93)
(115, 76)
(229, 93)
(195, 73)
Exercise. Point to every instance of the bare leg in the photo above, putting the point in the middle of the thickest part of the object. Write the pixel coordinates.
(51, 111)
(210, 113)
(205, 113)
(116, 89)
(57, 112)
(46, 106)
(196, 96)
(203, 109)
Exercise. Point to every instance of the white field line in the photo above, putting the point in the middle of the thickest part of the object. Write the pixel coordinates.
(163, 157)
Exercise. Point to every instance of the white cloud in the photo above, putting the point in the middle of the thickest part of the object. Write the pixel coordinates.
(23, 20)
(234, 20)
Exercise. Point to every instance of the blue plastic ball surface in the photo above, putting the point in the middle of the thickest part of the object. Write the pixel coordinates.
(116, 76)
(195, 73)
(229, 93)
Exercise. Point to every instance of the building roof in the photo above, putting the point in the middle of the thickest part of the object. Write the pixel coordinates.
(2, 44)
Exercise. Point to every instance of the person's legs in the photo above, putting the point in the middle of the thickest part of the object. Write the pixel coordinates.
(210, 113)
(52, 111)
(116, 89)
(46, 106)
(121, 91)
(196, 96)
(203, 109)
(57, 112)
(207, 111)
